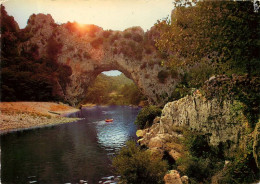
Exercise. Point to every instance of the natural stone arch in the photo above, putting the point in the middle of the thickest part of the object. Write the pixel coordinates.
(89, 50)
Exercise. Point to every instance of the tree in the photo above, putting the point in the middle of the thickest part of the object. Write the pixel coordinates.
(146, 116)
(139, 166)
(97, 92)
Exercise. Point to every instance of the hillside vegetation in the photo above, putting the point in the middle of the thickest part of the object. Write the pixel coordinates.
(25, 76)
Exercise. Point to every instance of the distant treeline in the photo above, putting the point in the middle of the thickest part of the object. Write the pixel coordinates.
(116, 90)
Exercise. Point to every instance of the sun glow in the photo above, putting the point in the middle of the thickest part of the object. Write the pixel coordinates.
(82, 27)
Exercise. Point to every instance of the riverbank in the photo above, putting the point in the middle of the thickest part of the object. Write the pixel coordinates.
(17, 116)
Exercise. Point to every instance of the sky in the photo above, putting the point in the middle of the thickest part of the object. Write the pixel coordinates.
(108, 14)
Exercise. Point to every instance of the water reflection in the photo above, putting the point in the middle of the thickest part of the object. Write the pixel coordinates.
(70, 152)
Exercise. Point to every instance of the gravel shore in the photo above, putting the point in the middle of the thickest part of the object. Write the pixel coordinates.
(16, 116)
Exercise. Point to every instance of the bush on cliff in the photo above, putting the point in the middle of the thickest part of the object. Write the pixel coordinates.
(243, 167)
(162, 76)
(97, 42)
(135, 165)
(146, 116)
(202, 160)
(242, 170)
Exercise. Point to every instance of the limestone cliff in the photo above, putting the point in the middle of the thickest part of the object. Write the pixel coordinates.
(90, 50)
(220, 123)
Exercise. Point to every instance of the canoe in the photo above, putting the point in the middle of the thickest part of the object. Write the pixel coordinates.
(109, 120)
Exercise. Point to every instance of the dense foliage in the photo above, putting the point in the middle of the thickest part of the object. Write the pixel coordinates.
(211, 38)
(202, 161)
(25, 76)
(115, 90)
(135, 165)
(146, 116)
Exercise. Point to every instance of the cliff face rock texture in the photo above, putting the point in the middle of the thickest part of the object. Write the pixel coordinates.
(220, 123)
(173, 177)
(89, 50)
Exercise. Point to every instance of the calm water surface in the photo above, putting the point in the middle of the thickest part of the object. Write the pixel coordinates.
(70, 152)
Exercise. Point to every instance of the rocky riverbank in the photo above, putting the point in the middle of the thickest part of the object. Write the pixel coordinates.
(17, 116)
(194, 128)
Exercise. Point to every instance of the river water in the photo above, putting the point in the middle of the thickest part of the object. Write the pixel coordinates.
(70, 152)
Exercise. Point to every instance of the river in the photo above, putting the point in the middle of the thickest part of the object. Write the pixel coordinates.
(69, 152)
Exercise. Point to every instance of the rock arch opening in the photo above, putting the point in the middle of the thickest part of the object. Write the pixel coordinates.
(113, 88)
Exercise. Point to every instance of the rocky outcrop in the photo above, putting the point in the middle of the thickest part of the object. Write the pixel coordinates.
(89, 50)
(220, 123)
(173, 177)
(166, 143)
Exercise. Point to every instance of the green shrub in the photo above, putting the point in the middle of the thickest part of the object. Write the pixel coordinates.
(146, 116)
(86, 55)
(148, 49)
(71, 48)
(106, 34)
(174, 73)
(91, 30)
(243, 170)
(162, 75)
(143, 65)
(135, 165)
(198, 169)
(179, 92)
(114, 37)
(199, 73)
(53, 48)
(202, 161)
(97, 42)
(138, 38)
(127, 35)
(197, 144)
(132, 50)
(71, 26)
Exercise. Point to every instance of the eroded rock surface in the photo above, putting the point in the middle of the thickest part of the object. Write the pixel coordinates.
(220, 123)
(173, 177)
